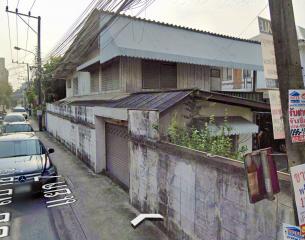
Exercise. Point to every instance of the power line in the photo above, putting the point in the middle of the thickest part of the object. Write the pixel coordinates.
(32, 5)
(9, 34)
(17, 32)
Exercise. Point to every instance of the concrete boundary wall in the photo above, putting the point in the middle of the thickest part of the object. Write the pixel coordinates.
(78, 137)
(202, 197)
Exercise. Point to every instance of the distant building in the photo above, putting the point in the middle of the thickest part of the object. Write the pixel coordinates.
(3, 71)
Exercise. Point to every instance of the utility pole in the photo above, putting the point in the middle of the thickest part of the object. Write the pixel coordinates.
(289, 72)
(21, 15)
(288, 65)
(39, 74)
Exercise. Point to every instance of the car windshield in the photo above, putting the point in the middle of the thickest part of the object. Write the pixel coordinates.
(17, 148)
(14, 118)
(17, 128)
(18, 110)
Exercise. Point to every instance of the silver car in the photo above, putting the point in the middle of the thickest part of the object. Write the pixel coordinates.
(20, 110)
(24, 159)
(13, 117)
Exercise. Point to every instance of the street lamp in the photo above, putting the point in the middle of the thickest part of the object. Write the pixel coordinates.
(19, 48)
(39, 84)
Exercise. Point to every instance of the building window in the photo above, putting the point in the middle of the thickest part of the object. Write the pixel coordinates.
(75, 86)
(229, 74)
(159, 75)
(215, 73)
(95, 81)
(110, 76)
(68, 82)
(247, 77)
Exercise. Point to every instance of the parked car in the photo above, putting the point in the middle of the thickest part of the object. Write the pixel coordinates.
(16, 127)
(27, 156)
(13, 117)
(2, 115)
(20, 110)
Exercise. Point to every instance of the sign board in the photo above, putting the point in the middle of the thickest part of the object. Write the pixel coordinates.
(261, 175)
(296, 111)
(264, 26)
(268, 53)
(39, 112)
(277, 115)
(291, 232)
(298, 180)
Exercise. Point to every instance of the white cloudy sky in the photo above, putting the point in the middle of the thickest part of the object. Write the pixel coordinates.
(231, 17)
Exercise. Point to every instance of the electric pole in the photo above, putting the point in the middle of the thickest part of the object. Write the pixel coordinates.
(38, 57)
(288, 65)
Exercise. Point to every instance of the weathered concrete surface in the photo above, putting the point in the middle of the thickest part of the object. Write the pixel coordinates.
(79, 138)
(201, 198)
(102, 210)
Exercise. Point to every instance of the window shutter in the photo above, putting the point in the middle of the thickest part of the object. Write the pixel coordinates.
(110, 76)
(151, 74)
(75, 86)
(94, 80)
(168, 75)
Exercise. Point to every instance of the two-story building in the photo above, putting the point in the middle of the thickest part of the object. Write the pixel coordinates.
(137, 64)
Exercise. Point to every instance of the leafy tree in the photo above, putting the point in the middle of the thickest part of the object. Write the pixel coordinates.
(31, 96)
(5, 94)
(53, 89)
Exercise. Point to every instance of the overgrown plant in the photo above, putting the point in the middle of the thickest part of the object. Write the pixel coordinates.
(205, 139)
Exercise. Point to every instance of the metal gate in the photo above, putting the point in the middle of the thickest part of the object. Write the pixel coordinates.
(117, 157)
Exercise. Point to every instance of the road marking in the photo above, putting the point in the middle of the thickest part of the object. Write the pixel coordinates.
(4, 231)
(4, 217)
(135, 222)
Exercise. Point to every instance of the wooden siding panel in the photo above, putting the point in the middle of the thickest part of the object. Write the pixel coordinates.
(110, 76)
(193, 76)
(95, 81)
(131, 74)
(237, 83)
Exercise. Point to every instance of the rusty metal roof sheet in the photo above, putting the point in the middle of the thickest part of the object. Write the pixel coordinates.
(151, 100)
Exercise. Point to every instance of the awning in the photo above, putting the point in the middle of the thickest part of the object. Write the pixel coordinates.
(237, 125)
(150, 40)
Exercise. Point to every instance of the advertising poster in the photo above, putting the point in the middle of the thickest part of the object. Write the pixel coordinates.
(298, 181)
(292, 232)
(296, 111)
(277, 115)
(266, 39)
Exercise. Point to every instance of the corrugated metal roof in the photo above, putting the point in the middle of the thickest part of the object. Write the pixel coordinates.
(150, 100)
(143, 39)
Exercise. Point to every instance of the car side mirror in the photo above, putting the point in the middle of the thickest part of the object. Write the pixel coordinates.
(51, 150)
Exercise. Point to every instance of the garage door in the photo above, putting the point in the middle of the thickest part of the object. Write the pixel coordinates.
(117, 153)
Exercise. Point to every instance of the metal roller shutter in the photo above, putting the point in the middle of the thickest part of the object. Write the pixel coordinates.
(117, 152)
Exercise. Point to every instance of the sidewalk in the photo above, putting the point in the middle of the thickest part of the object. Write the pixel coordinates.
(102, 210)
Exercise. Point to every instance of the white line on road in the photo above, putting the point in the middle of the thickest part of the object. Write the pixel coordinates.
(135, 222)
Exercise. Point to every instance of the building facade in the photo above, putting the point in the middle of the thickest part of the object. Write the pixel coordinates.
(132, 65)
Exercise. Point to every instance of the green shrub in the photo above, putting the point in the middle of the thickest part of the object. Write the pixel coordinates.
(204, 140)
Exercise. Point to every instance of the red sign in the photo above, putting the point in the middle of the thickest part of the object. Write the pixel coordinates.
(261, 175)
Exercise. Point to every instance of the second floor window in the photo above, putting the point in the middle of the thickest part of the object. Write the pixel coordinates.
(95, 81)
(75, 86)
(159, 75)
(68, 82)
(215, 73)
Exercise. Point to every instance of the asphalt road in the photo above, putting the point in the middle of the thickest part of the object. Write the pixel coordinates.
(30, 219)
(102, 209)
